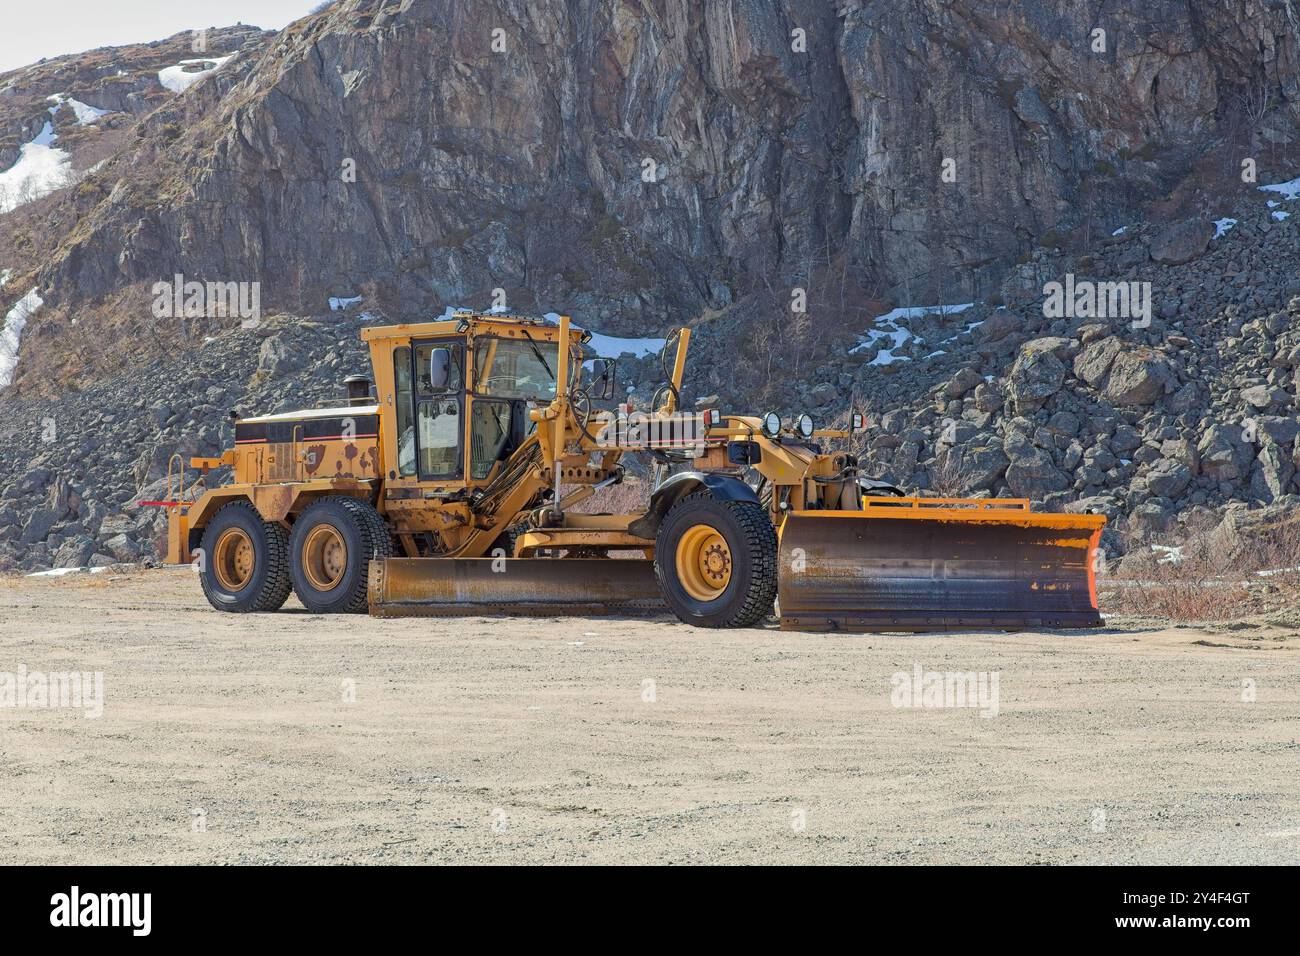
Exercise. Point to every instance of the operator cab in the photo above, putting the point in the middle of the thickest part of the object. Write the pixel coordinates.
(462, 392)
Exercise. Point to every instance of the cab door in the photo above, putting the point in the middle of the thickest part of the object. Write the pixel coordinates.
(438, 394)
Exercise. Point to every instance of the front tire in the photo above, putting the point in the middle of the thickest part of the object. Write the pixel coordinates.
(716, 561)
(330, 550)
(245, 566)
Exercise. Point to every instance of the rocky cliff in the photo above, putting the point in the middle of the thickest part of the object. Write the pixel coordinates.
(660, 162)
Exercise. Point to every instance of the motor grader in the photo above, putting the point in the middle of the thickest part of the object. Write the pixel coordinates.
(449, 486)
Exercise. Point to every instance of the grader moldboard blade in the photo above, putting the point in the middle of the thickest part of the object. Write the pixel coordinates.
(917, 564)
(461, 587)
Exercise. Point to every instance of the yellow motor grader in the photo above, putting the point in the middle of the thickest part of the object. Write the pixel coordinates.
(448, 486)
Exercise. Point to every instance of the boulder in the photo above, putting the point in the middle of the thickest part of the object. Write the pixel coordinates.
(988, 397)
(38, 525)
(962, 382)
(1092, 364)
(1168, 479)
(823, 395)
(122, 548)
(1035, 377)
(979, 466)
(1032, 474)
(1264, 396)
(1224, 455)
(1272, 475)
(1182, 242)
(1138, 377)
(1150, 517)
(75, 552)
(275, 357)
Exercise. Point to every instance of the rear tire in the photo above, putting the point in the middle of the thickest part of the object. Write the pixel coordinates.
(716, 561)
(245, 566)
(330, 550)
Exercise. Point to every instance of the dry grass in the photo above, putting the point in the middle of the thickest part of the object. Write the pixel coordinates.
(1218, 576)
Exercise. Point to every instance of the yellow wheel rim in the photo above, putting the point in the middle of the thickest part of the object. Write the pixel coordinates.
(234, 560)
(324, 557)
(703, 563)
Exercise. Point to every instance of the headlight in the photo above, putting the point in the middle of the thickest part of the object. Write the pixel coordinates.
(805, 426)
(771, 424)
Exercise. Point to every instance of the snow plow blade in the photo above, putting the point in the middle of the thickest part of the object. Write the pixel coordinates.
(461, 587)
(935, 564)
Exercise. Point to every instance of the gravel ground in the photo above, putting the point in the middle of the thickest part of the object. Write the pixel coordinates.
(616, 741)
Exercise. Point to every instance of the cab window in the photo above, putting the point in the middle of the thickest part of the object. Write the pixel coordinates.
(510, 368)
(405, 405)
(489, 432)
(427, 377)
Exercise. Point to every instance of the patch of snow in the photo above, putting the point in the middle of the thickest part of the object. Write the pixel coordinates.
(887, 327)
(339, 304)
(916, 312)
(1280, 216)
(1120, 231)
(178, 79)
(1288, 190)
(11, 335)
(1222, 226)
(1273, 571)
(40, 170)
(613, 346)
(60, 572)
(85, 113)
(4, 277)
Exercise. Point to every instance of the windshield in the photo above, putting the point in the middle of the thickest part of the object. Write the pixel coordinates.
(511, 368)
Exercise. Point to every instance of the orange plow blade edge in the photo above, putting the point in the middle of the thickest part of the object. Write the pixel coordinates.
(934, 564)
(451, 587)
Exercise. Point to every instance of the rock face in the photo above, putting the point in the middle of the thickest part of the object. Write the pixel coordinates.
(639, 164)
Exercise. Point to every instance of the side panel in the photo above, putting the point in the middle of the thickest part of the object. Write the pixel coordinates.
(311, 449)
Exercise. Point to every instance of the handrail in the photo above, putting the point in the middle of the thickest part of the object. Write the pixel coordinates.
(975, 504)
(177, 499)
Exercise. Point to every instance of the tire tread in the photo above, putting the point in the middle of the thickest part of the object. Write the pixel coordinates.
(275, 586)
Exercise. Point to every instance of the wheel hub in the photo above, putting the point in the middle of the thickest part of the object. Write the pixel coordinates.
(703, 562)
(234, 559)
(324, 557)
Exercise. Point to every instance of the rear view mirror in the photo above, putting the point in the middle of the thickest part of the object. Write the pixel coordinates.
(439, 369)
(602, 378)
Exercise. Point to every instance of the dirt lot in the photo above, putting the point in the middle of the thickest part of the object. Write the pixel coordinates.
(544, 740)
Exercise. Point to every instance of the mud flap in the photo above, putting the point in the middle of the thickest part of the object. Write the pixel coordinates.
(452, 587)
(906, 569)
